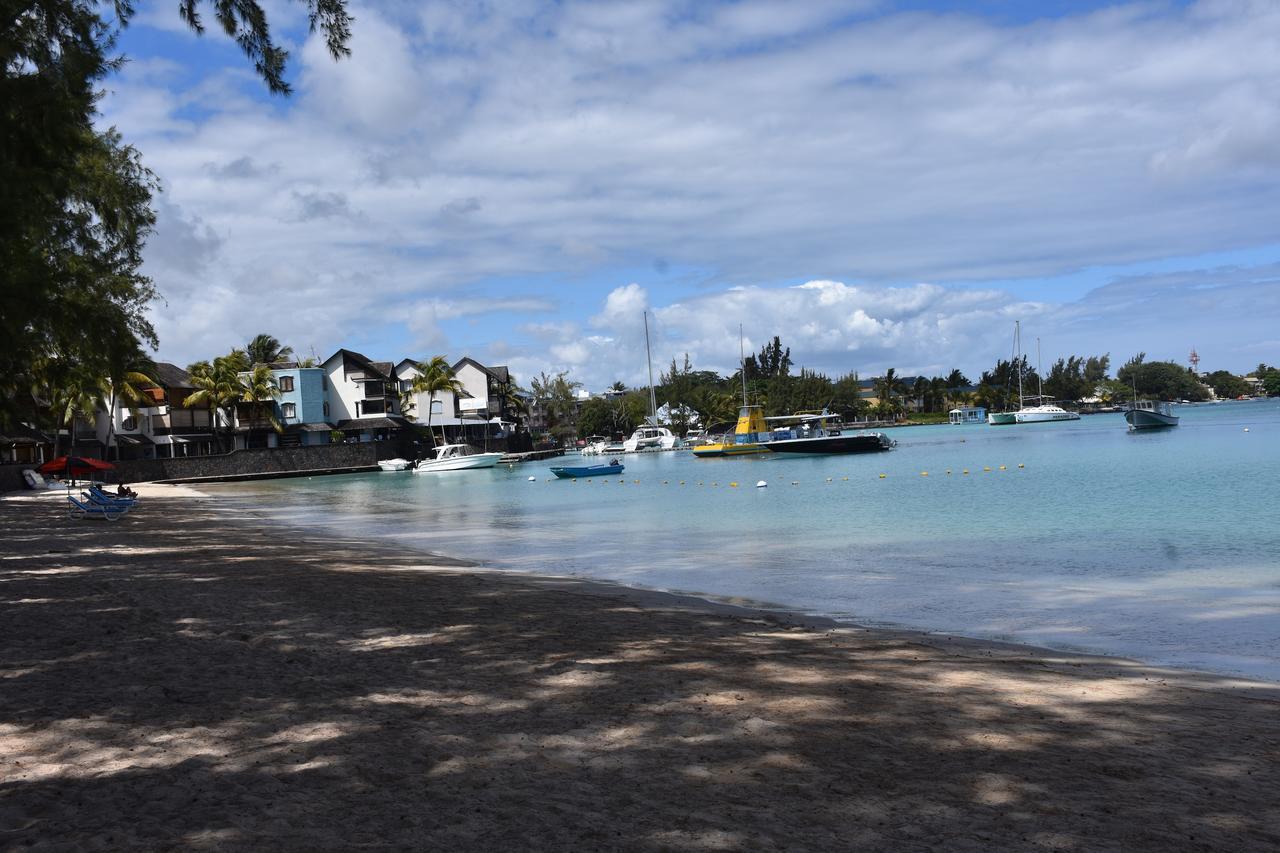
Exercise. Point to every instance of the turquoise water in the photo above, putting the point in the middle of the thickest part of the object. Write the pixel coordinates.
(1162, 546)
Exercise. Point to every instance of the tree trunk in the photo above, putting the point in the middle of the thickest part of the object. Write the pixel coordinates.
(113, 450)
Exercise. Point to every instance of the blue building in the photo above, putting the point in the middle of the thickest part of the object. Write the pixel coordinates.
(301, 408)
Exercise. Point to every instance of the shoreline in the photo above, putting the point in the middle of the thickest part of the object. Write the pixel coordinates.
(185, 678)
(957, 642)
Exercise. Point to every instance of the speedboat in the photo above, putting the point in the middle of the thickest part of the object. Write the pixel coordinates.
(650, 437)
(456, 457)
(573, 472)
(824, 434)
(394, 464)
(1150, 414)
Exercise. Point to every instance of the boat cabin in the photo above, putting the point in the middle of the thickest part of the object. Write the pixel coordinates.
(968, 415)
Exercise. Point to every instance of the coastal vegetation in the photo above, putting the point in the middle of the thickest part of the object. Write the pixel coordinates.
(76, 201)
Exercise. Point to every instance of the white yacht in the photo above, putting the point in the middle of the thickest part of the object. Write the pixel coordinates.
(1043, 414)
(396, 464)
(650, 437)
(456, 457)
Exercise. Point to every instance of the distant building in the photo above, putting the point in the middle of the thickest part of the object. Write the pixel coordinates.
(474, 414)
(301, 408)
(363, 397)
(160, 427)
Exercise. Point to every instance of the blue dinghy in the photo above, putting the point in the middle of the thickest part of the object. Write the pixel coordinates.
(575, 471)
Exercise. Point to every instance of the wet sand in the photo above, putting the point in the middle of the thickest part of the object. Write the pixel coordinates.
(189, 678)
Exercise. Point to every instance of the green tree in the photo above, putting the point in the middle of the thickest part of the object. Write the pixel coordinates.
(259, 388)
(125, 382)
(264, 349)
(1163, 380)
(1227, 385)
(434, 377)
(889, 391)
(218, 387)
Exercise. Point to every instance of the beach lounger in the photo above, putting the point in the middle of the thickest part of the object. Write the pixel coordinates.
(83, 510)
(101, 497)
(98, 499)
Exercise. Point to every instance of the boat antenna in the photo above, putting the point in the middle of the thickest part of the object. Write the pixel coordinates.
(653, 400)
(742, 365)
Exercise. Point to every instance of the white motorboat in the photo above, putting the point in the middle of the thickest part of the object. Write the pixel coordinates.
(456, 457)
(1150, 414)
(1043, 414)
(650, 437)
(396, 464)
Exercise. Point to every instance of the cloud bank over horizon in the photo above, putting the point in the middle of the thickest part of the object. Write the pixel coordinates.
(879, 186)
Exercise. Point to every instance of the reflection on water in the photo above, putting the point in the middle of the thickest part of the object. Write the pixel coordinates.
(1155, 545)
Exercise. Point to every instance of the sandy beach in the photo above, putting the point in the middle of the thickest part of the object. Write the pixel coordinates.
(190, 679)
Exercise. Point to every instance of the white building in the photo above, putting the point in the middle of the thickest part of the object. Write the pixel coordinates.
(460, 415)
(362, 396)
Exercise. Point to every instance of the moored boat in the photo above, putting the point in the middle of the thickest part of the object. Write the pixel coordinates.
(1044, 414)
(573, 472)
(824, 434)
(650, 437)
(749, 437)
(1150, 414)
(394, 464)
(456, 457)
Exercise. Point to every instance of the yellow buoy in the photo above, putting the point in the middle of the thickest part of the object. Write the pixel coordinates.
(1020, 465)
(682, 482)
(844, 478)
(1001, 467)
(924, 473)
(988, 468)
(882, 476)
(965, 471)
(733, 485)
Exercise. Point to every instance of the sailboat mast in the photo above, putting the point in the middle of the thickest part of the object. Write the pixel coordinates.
(1017, 345)
(1039, 374)
(742, 365)
(653, 400)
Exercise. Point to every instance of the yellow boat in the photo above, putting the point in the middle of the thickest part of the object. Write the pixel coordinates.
(748, 437)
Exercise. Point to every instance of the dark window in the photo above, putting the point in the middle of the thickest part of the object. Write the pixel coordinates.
(326, 408)
(130, 422)
(286, 383)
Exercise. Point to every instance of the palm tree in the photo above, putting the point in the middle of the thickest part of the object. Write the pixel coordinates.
(264, 349)
(938, 393)
(218, 385)
(259, 386)
(434, 377)
(76, 396)
(889, 389)
(127, 378)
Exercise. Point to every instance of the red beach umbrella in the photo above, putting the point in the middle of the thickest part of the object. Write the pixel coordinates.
(74, 466)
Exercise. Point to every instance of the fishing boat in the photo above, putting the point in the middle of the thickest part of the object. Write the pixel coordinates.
(394, 464)
(1150, 414)
(823, 434)
(573, 472)
(456, 457)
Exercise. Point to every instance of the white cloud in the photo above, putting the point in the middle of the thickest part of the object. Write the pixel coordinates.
(465, 144)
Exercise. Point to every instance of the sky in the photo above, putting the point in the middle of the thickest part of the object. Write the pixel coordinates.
(878, 184)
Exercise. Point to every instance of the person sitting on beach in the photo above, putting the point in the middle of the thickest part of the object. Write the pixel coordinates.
(125, 492)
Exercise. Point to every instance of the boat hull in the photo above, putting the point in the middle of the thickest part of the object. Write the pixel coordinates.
(1001, 418)
(710, 451)
(459, 463)
(871, 442)
(573, 472)
(394, 464)
(1144, 419)
(1025, 417)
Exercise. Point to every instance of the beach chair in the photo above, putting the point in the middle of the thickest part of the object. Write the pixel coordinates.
(78, 509)
(103, 497)
(97, 498)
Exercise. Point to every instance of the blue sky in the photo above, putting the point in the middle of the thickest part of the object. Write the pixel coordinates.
(880, 184)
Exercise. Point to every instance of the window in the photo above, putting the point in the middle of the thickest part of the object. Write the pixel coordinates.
(286, 383)
(289, 410)
(130, 422)
(326, 408)
(437, 407)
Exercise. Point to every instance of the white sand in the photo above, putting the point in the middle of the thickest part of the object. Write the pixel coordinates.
(187, 679)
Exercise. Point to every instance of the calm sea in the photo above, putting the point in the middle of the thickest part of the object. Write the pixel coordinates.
(1163, 546)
